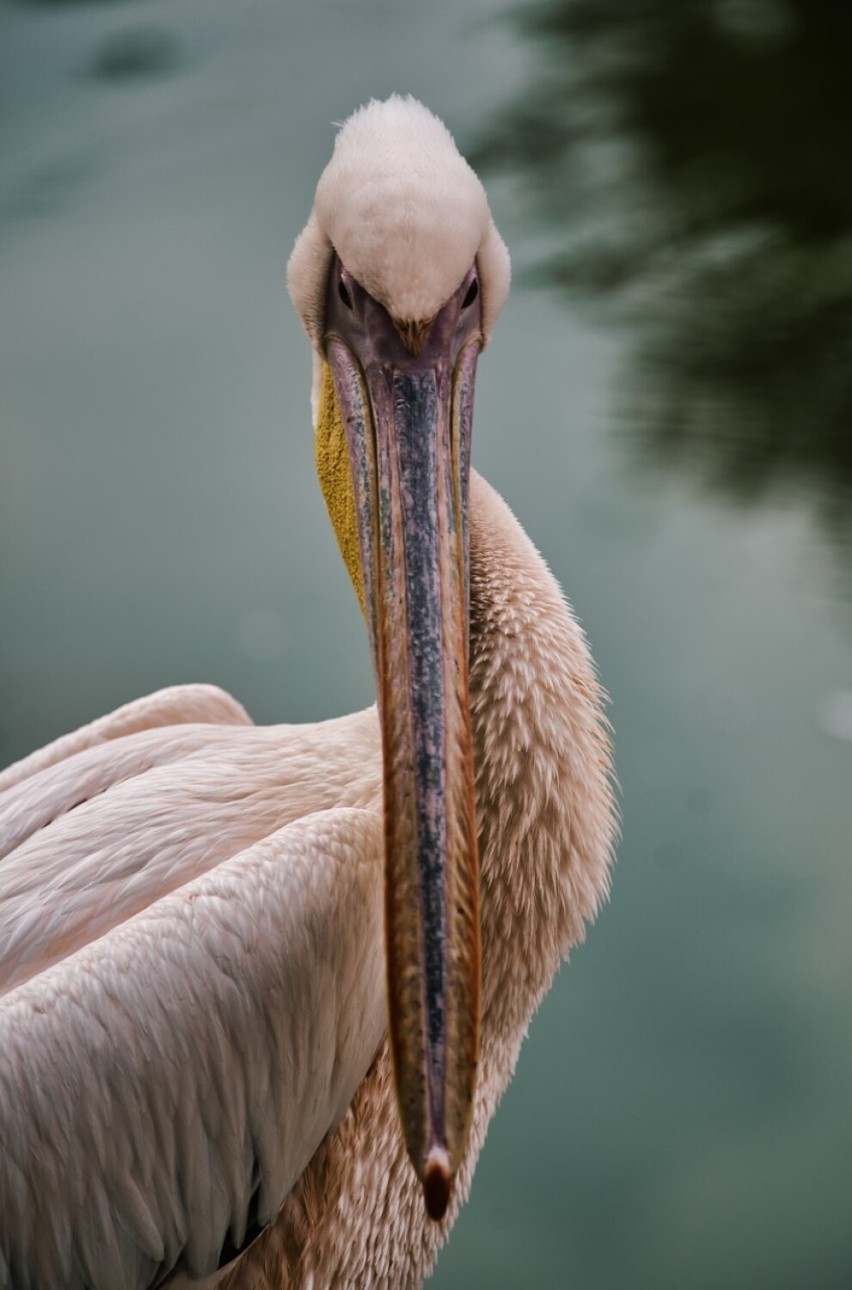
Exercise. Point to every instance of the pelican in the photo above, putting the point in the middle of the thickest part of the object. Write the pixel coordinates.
(261, 989)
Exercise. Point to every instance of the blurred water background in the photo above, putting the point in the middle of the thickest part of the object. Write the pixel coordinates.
(666, 406)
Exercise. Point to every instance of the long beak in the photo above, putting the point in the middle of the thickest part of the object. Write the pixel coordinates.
(407, 420)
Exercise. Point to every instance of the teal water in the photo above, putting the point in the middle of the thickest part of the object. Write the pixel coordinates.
(680, 1114)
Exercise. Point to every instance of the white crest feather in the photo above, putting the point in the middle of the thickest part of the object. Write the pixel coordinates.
(406, 214)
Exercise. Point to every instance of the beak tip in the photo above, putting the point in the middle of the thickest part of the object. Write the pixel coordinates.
(437, 1183)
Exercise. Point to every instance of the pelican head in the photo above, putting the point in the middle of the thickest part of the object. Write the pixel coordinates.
(398, 278)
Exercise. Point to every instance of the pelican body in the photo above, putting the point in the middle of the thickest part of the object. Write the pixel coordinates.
(261, 989)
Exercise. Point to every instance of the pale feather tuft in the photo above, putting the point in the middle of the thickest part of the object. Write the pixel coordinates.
(406, 214)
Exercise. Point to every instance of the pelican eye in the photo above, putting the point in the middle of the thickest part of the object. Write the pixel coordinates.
(472, 293)
(344, 294)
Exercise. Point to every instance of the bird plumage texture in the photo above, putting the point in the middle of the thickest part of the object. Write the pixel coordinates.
(192, 993)
(547, 827)
(161, 1054)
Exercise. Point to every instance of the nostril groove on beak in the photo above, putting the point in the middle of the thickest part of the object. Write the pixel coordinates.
(414, 333)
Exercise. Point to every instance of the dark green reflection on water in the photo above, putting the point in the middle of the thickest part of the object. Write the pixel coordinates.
(135, 54)
(690, 156)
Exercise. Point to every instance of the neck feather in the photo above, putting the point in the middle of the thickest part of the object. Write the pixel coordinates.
(544, 779)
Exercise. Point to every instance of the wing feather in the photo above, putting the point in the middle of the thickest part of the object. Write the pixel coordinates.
(176, 705)
(151, 1082)
(92, 840)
